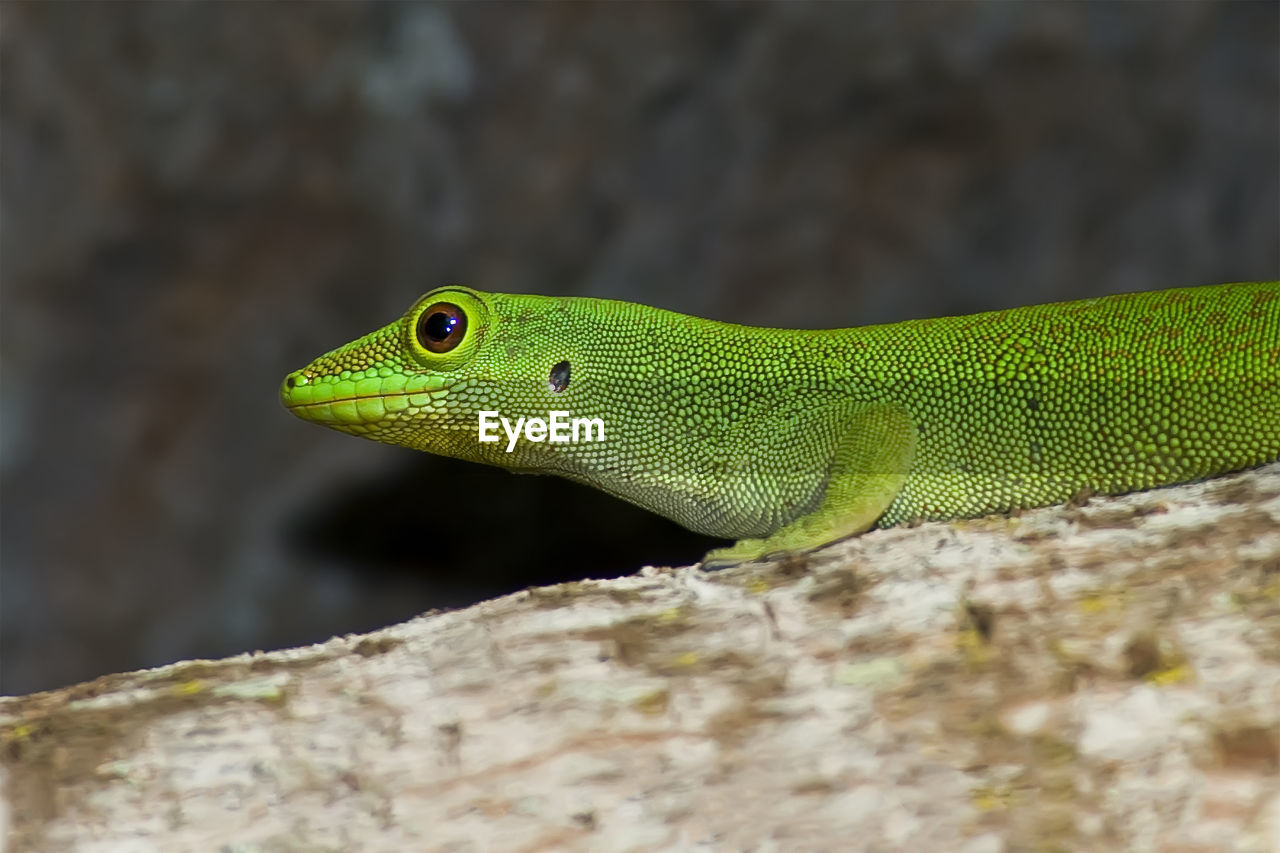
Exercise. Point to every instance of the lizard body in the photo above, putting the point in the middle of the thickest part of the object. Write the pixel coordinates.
(788, 439)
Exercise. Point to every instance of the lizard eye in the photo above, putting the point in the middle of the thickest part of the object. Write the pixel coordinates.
(441, 327)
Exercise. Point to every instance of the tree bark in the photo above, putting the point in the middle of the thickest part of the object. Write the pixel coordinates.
(1095, 677)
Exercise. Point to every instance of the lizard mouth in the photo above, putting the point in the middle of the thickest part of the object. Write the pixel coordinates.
(333, 401)
(309, 404)
(304, 409)
(355, 409)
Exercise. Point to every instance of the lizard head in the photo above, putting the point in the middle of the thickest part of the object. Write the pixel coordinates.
(422, 380)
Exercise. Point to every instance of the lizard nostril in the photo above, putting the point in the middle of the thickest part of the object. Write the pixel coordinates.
(298, 377)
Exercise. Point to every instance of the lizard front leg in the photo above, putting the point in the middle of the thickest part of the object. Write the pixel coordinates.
(868, 468)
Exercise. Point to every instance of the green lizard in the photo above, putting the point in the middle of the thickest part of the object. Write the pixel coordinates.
(789, 439)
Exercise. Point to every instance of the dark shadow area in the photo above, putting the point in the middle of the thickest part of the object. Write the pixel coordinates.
(470, 532)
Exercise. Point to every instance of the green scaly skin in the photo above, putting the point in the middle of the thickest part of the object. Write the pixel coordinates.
(787, 439)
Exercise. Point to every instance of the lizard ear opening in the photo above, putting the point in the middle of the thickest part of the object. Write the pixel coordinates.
(558, 380)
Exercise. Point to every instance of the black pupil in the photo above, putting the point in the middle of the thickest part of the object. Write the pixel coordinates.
(441, 325)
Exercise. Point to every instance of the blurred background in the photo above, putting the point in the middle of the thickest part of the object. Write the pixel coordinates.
(199, 197)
